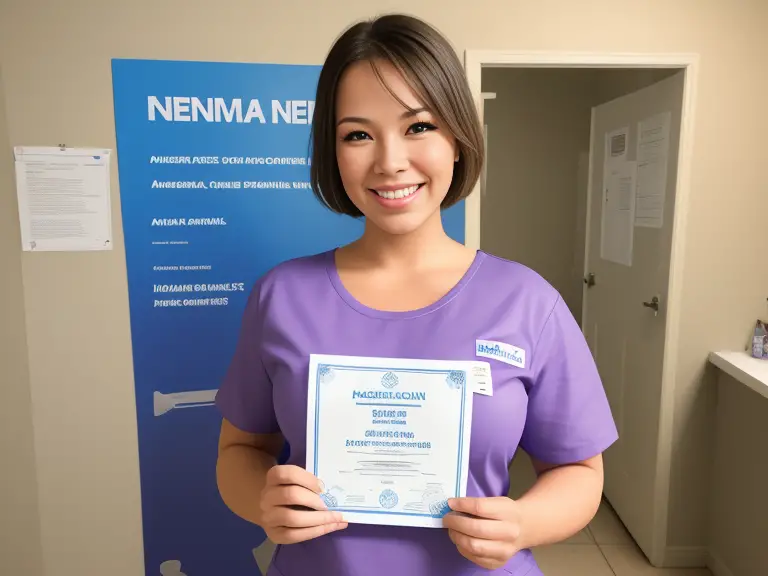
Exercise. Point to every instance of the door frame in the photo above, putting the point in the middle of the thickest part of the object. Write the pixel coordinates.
(474, 62)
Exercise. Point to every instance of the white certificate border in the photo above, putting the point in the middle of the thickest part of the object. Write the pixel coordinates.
(362, 516)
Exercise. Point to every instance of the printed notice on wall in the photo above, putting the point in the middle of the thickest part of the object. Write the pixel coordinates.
(64, 198)
(617, 230)
(616, 144)
(652, 158)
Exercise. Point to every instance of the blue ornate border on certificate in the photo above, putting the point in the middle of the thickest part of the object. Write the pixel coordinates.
(453, 378)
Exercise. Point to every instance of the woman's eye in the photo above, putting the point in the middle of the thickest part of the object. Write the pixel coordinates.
(355, 136)
(421, 127)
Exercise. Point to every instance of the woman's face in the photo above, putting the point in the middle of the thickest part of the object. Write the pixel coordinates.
(396, 165)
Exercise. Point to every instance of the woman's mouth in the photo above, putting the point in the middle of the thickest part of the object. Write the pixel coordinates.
(395, 197)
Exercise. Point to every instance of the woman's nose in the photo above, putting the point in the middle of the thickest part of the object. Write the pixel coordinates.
(391, 156)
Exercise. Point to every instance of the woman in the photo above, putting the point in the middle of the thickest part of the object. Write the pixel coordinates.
(396, 139)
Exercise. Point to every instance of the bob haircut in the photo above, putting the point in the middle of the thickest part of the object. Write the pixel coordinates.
(430, 67)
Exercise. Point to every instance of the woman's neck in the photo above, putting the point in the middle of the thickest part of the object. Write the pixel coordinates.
(428, 246)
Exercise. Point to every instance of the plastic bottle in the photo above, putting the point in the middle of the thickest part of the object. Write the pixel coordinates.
(760, 341)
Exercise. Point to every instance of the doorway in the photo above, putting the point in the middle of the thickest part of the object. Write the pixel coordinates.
(567, 134)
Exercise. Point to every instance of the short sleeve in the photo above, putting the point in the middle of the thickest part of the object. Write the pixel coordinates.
(568, 418)
(244, 397)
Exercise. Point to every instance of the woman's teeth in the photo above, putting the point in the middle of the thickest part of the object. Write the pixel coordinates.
(402, 193)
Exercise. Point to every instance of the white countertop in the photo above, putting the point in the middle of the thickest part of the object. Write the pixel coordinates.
(750, 371)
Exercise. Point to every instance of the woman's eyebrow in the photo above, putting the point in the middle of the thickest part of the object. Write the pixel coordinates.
(361, 120)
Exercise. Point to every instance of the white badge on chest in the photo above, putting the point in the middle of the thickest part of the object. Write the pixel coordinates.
(500, 351)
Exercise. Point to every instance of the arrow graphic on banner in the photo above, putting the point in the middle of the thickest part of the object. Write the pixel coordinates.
(164, 403)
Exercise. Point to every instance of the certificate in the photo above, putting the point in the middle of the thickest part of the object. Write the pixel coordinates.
(389, 438)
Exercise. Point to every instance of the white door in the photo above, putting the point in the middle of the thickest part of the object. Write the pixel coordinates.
(634, 147)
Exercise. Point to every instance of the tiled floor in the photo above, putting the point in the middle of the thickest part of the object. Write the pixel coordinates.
(604, 548)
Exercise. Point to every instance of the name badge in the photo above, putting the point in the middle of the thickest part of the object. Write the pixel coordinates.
(500, 351)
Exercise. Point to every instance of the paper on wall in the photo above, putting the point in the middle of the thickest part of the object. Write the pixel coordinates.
(616, 145)
(652, 160)
(618, 213)
(64, 198)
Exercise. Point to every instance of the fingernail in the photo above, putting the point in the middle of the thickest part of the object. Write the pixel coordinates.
(339, 517)
(320, 486)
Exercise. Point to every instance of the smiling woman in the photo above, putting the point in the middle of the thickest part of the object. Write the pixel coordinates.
(396, 139)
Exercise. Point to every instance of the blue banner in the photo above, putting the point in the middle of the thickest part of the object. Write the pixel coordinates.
(214, 188)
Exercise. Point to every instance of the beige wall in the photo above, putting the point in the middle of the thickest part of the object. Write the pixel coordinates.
(537, 126)
(612, 84)
(55, 59)
(20, 551)
(739, 513)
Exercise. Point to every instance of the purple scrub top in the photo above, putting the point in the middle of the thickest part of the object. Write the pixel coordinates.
(552, 405)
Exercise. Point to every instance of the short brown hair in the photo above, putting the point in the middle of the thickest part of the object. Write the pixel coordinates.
(430, 67)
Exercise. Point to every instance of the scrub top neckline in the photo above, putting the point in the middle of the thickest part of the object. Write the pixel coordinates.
(352, 302)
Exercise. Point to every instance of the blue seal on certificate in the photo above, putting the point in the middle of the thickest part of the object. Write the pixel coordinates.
(325, 373)
(456, 378)
(329, 500)
(439, 509)
(388, 499)
(389, 380)
(435, 502)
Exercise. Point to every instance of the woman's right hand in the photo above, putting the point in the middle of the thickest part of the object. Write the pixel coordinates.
(291, 508)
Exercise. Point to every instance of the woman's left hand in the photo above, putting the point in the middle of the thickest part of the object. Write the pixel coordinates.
(486, 531)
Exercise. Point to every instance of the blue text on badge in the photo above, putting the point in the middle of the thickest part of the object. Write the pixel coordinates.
(500, 351)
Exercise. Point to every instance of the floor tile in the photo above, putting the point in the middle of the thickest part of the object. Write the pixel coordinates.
(628, 560)
(569, 560)
(606, 528)
(582, 537)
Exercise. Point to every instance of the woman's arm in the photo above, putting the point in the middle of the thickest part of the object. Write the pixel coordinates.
(563, 501)
(242, 466)
(283, 500)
